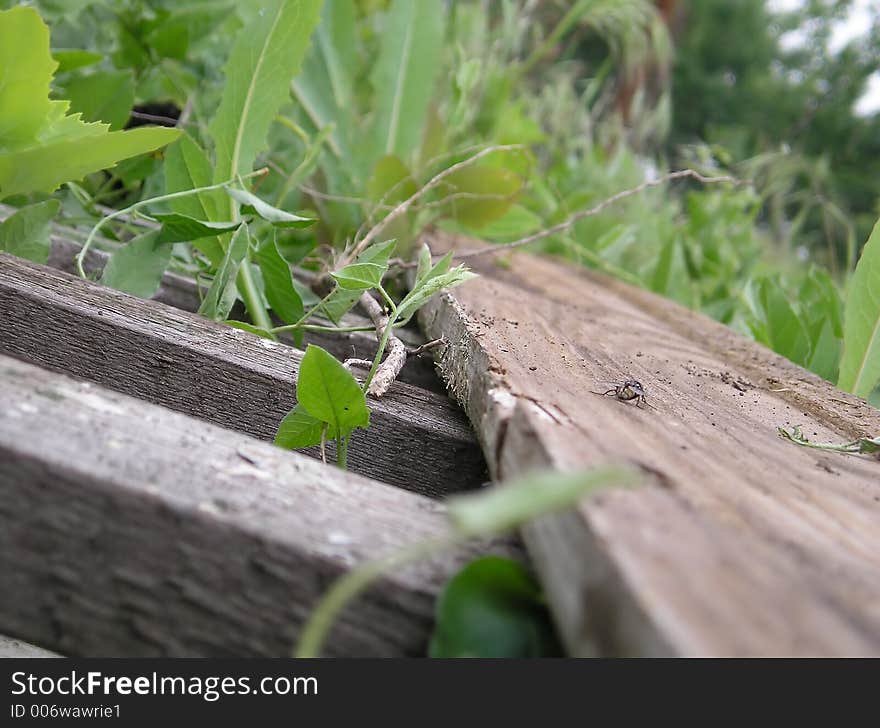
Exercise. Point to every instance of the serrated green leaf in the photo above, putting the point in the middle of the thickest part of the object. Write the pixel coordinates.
(44, 168)
(493, 607)
(26, 68)
(328, 391)
(299, 429)
(106, 96)
(253, 205)
(183, 228)
(280, 293)
(265, 57)
(860, 365)
(137, 267)
(25, 233)
(409, 59)
(221, 295)
(41, 146)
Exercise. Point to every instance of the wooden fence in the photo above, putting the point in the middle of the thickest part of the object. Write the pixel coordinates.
(142, 513)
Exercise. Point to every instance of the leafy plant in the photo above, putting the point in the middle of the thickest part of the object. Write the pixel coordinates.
(860, 365)
(41, 146)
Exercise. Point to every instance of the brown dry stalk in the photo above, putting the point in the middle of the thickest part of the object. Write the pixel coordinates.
(396, 356)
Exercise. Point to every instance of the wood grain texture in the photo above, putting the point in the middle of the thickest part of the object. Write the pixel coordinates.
(129, 529)
(739, 543)
(417, 440)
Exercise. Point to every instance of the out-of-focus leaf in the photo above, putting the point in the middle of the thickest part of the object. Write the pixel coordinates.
(280, 293)
(253, 205)
(493, 607)
(25, 232)
(137, 267)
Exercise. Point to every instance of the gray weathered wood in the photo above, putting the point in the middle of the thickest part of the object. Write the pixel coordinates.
(129, 529)
(417, 440)
(10, 647)
(739, 543)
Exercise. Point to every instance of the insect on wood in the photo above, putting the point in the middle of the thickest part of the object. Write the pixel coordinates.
(627, 391)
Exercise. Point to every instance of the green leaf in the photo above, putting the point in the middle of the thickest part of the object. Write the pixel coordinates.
(280, 293)
(293, 250)
(41, 146)
(251, 329)
(339, 303)
(324, 88)
(26, 68)
(265, 56)
(299, 429)
(517, 222)
(222, 293)
(137, 267)
(432, 284)
(860, 365)
(187, 168)
(368, 270)
(106, 96)
(409, 58)
(503, 508)
(71, 59)
(329, 392)
(488, 193)
(493, 607)
(183, 228)
(253, 205)
(43, 168)
(25, 233)
(825, 356)
(786, 332)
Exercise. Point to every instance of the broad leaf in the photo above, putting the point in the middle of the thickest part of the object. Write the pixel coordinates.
(280, 293)
(298, 430)
(339, 303)
(328, 391)
(787, 333)
(265, 56)
(404, 75)
(183, 228)
(70, 59)
(26, 68)
(41, 146)
(106, 96)
(222, 293)
(138, 266)
(253, 205)
(25, 233)
(187, 168)
(43, 168)
(860, 366)
(368, 270)
(324, 88)
(479, 195)
(493, 607)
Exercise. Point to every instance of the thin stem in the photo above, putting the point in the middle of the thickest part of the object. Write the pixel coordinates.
(80, 257)
(342, 453)
(383, 341)
(350, 585)
(249, 292)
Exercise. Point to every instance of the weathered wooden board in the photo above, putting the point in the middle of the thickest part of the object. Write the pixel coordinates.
(739, 543)
(10, 647)
(129, 529)
(417, 440)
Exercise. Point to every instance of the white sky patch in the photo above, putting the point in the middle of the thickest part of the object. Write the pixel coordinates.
(855, 25)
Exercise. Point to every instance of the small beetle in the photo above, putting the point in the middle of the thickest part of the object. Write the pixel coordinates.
(626, 391)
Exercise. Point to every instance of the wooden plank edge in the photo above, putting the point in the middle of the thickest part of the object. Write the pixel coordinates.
(129, 529)
(417, 440)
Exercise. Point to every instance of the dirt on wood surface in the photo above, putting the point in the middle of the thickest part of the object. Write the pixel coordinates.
(740, 542)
